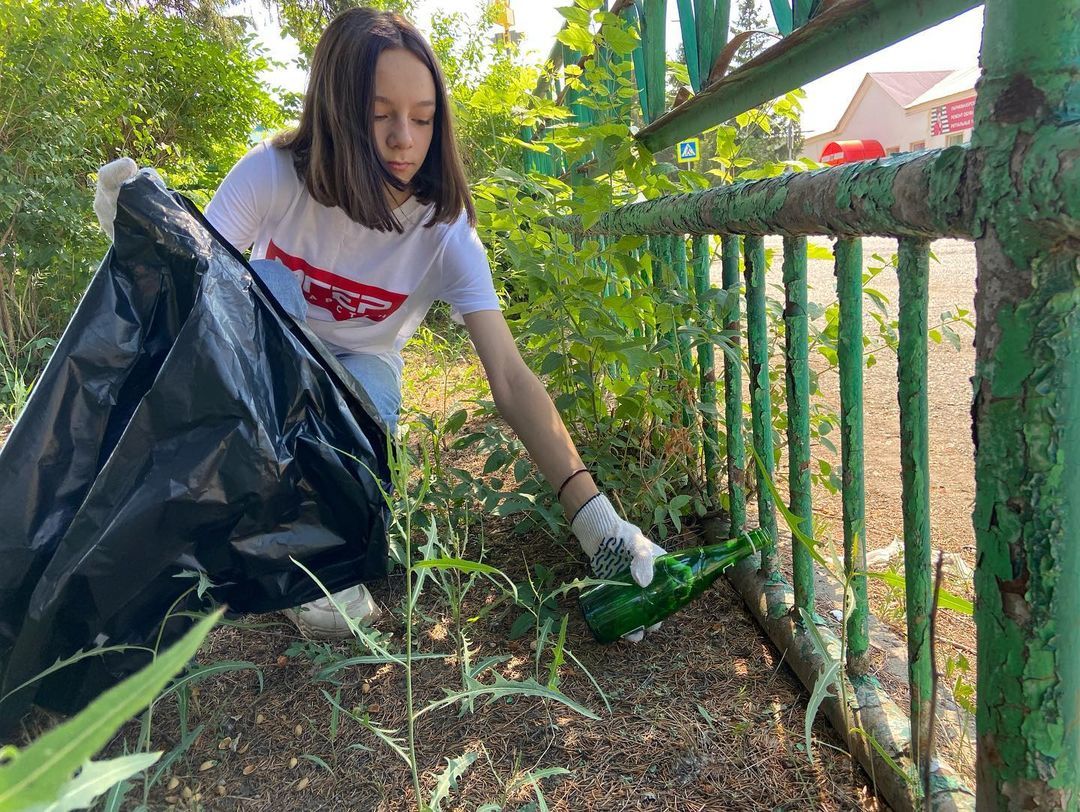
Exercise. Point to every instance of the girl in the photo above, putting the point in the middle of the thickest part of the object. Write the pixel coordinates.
(358, 220)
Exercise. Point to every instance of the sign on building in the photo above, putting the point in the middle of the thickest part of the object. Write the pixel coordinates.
(953, 117)
(688, 150)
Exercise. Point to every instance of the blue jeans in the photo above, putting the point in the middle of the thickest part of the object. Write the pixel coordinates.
(380, 379)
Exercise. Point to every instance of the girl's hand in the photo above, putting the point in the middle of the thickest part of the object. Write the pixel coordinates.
(109, 179)
(613, 545)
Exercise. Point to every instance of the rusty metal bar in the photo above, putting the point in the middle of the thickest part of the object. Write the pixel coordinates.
(848, 30)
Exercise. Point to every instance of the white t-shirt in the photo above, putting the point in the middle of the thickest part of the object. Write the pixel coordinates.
(367, 290)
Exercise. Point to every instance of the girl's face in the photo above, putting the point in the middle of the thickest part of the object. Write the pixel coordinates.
(404, 115)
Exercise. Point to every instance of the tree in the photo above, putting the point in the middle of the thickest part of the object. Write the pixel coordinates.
(749, 17)
(772, 136)
(85, 83)
(304, 20)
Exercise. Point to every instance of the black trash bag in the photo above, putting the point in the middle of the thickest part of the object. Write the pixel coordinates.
(185, 422)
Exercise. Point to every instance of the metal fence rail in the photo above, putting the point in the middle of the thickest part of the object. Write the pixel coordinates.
(867, 708)
(1015, 192)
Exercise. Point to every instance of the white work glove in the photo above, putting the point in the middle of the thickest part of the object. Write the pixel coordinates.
(613, 545)
(110, 178)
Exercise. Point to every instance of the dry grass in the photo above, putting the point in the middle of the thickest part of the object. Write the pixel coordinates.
(703, 717)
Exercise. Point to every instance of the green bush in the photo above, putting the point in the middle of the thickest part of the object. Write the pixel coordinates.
(83, 83)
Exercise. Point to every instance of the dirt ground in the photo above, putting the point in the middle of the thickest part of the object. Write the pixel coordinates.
(703, 716)
(952, 453)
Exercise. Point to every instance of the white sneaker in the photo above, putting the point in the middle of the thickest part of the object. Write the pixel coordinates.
(319, 619)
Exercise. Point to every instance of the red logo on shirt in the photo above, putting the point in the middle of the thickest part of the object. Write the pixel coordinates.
(344, 298)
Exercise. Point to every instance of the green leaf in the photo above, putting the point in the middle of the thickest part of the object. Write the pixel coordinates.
(521, 626)
(515, 504)
(174, 754)
(201, 672)
(557, 658)
(575, 14)
(893, 765)
(498, 459)
(502, 688)
(553, 361)
(455, 422)
(74, 658)
(464, 565)
(620, 39)
(679, 502)
(37, 774)
(95, 779)
(707, 717)
(448, 779)
(576, 38)
(316, 760)
(946, 599)
(826, 680)
(793, 522)
(460, 564)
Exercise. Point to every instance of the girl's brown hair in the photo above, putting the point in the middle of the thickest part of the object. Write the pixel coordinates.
(334, 148)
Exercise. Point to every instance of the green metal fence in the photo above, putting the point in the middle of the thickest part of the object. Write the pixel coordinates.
(1015, 192)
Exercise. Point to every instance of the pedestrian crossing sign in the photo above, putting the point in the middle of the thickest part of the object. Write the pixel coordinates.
(689, 150)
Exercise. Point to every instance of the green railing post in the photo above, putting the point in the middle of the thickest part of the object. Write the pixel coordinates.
(797, 379)
(757, 340)
(660, 249)
(713, 34)
(690, 46)
(700, 258)
(850, 355)
(650, 58)
(1027, 407)
(736, 451)
(913, 270)
(844, 32)
(678, 267)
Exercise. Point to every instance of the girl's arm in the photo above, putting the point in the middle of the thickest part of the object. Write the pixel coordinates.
(525, 404)
(610, 542)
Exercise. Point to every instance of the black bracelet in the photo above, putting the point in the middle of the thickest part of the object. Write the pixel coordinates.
(576, 512)
(566, 481)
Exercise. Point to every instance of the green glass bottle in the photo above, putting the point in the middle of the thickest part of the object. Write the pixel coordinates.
(614, 610)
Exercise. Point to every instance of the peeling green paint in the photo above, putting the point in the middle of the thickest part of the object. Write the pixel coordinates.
(837, 37)
(760, 400)
(700, 259)
(1016, 192)
(913, 195)
(853, 494)
(913, 270)
(1026, 152)
(797, 382)
(736, 451)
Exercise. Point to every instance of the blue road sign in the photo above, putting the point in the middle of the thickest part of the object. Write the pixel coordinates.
(688, 150)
